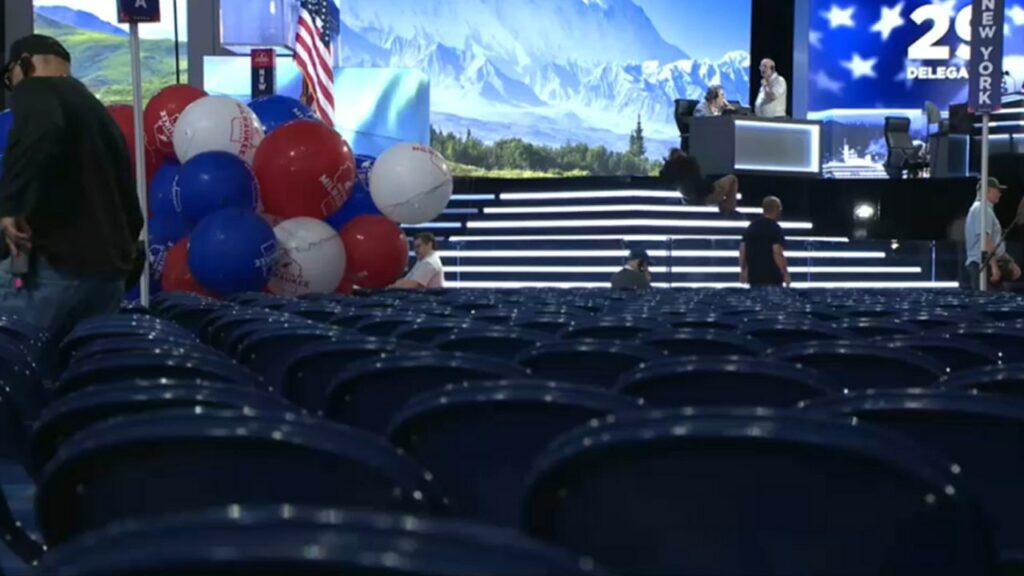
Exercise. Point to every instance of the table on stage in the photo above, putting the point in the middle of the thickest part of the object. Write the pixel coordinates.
(745, 144)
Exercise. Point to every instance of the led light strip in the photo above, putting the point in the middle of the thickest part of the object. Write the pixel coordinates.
(610, 208)
(436, 225)
(676, 269)
(588, 194)
(472, 197)
(455, 254)
(644, 222)
(630, 238)
(880, 284)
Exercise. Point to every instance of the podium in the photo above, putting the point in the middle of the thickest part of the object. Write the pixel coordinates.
(748, 145)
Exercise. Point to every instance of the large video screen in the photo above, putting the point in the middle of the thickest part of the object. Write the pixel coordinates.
(558, 87)
(873, 58)
(99, 46)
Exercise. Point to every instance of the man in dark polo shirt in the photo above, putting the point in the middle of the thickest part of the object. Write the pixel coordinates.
(636, 274)
(762, 261)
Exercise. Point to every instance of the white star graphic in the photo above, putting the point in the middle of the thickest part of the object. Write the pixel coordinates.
(814, 38)
(823, 82)
(891, 19)
(949, 5)
(861, 68)
(1016, 15)
(838, 17)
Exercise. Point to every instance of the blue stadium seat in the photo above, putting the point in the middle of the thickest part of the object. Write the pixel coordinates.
(935, 320)
(294, 541)
(497, 342)
(141, 366)
(1007, 340)
(624, 328)
(498, 316)
(87, 333)
(552, 323)
(859, 365)
(592, 363)
(781, 332)
(385, 325)
(370, 392)
(75, 412)
(703, 321)
(744, 492)
(305, 375)
(704, 342)
(478, 440)
(191, 317)
(873, 312)
(982, 434)
(22, 380)
(217, 329)
(153, 344)
(723, 381)
(954, 352)
(873, 327)
(1007, 380)
(431, 329)
(315, 311)
(262, 350)
(258, 300)
(179, 461)
(239, 333)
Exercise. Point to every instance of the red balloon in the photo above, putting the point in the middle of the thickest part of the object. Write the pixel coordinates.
(176, 276)
(345, 287)
(124, 116)
(305, 169)
(162, 113)
(376, 251)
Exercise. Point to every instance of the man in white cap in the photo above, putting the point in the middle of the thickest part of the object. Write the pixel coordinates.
(1001, 266)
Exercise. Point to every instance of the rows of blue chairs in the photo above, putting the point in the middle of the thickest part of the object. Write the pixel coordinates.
(520, 433)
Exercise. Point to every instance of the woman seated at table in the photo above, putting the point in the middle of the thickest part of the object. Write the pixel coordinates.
(714, 102)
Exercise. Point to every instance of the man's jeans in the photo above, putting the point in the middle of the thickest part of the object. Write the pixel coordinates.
(56, 301)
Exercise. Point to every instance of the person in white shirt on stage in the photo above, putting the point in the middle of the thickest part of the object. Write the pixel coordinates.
(428, 271)
(714, 102)
(771, 99)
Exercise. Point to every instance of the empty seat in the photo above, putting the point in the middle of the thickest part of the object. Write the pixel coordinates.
(239, 333)
(155, 345)
(178, 461)
(592, 363)
(625, 328)
(781, 333)
(723, 381)
(306, 374)
(860, 365)
(1008, 341)
(742, 493)
(552, 323)
(954, 352)
(433, 328)
(387, 324)
(370, 392)
(1007, 379)
(704, 342)
(217, 327)
(982, 434)
(938, 319)
(192, 316)
(872, 327)
(286, 540)
(478, 440)
(697, 320)
(315, 311)
(499, 342)
(263, 349)
(129, 366)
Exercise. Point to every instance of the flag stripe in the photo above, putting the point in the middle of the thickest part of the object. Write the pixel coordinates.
(313, 56)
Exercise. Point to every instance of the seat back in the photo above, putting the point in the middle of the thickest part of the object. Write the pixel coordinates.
(953, 352)
(784, 332)
(704, 342)
(307, 373)
(735, 493)
(591, 363)
(860, 365)
(493, 342)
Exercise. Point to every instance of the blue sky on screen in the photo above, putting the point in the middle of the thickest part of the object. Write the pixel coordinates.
(679, 23)
(107, 10)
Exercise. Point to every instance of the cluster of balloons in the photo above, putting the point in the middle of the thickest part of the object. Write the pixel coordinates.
(264, 196)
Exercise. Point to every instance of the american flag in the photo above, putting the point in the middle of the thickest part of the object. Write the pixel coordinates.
(314, 55)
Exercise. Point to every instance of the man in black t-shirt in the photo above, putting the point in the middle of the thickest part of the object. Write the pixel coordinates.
(762, 262)
(68, 205)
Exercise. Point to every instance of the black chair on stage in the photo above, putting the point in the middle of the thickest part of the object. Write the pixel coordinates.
(684, 111)
(903, 155)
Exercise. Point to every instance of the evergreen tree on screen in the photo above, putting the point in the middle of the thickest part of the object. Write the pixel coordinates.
(636, 140)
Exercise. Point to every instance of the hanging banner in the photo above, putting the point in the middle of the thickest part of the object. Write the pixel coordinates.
(986, 72)
(264, 66)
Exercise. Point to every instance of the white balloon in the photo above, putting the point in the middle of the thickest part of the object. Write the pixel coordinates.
(312, 258)
(217, 123)
(411, 183)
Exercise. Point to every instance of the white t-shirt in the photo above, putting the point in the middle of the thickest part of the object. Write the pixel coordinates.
(777, 107)
(429, 272)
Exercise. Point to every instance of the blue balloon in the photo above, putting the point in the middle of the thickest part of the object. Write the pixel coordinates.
(359, 203)
(275, 111)
(6, 119)
(231, 251)
(213, 181)
(161, 190)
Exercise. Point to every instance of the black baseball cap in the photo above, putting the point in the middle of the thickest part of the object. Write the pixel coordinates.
(37, 45)
(992, 183)
(639, 254)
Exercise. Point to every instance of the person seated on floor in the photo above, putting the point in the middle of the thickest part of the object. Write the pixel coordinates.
(429, 270)
(636, 274)
(683, 172)
(1002, 267)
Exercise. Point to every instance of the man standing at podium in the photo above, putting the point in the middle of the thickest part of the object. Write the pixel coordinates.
(771, 99)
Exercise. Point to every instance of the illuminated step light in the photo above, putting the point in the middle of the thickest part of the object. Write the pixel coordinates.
(590, 194)
(653, 253)
(677, 269)
(629, 238)
(610, 208)
(826, 285)
(639, 222)
(472, 197)
(436, 225)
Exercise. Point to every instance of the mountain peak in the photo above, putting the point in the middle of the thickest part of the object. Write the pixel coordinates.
(80, 19)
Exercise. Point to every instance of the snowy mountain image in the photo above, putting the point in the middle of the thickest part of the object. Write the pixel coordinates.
(547, 71)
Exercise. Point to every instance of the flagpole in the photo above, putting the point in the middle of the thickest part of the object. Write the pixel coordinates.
(140, 156)
(983, 203)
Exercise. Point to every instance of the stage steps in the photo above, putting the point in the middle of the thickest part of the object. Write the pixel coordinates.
(580, 238)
